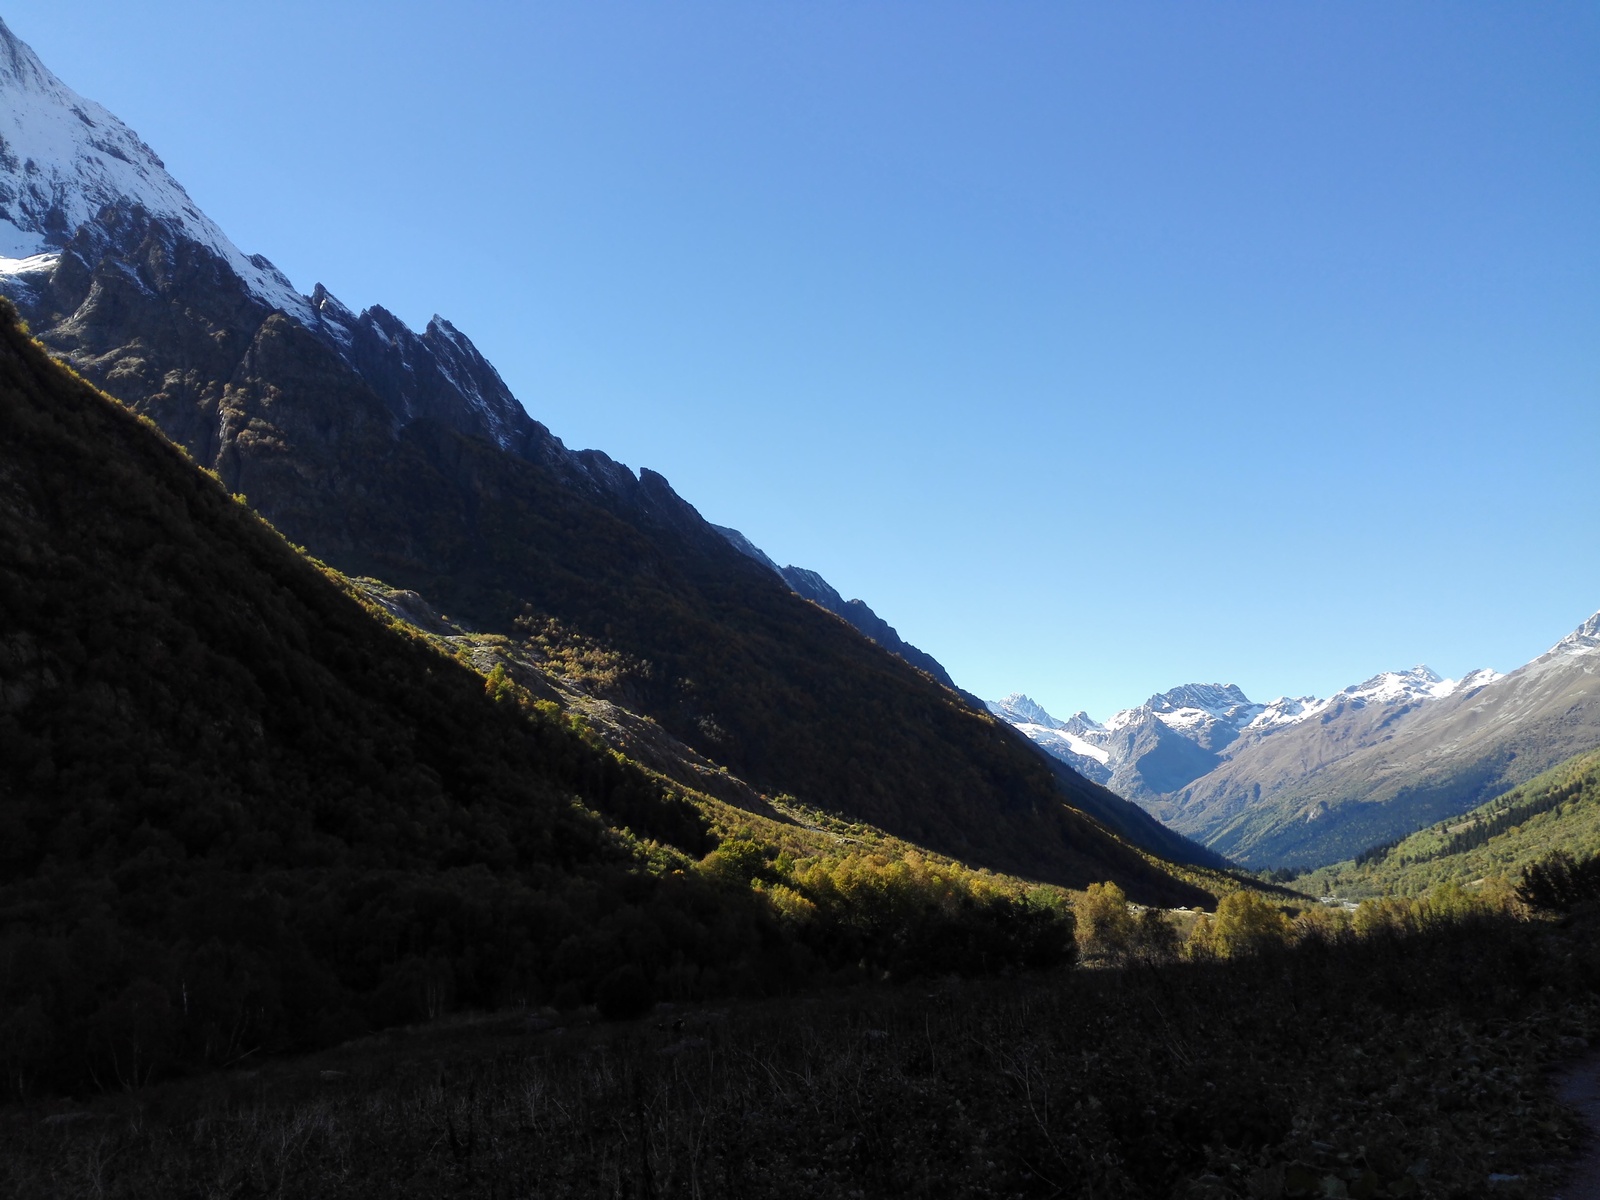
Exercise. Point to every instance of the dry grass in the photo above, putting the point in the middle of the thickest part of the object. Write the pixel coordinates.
(1382, 1068)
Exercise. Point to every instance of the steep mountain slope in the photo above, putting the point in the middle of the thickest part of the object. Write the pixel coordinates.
(241, 810)
(1360, 774)
(63, 158)
(237, 809)
(404, 457)
(819, 591)
(1558, 810)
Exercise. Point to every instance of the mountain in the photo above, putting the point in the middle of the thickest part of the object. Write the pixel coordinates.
(1375, 764)
(404, 458)
(238, 809)
(243, 808)
(1303, 781)
(1075, 742)
(1557, 810)
(819, 591)
(1145, 752)
(63, 158)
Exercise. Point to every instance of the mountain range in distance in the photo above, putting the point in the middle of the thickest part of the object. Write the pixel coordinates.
(1304, 781)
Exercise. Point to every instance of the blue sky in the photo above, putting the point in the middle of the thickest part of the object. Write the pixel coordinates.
(1100, 348)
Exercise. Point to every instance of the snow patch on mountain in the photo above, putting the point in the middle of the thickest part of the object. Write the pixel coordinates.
(1473, 680)
(27, 275)
(34, 264)
(1072, 741)
(1023, 710)
(1215, 716)
(1287, 710)
(1391, 687)
(1585, 639)
(63, 158)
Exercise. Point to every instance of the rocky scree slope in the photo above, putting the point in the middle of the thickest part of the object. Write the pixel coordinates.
(403, 457)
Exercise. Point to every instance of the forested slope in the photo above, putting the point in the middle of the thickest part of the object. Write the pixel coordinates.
(524, 534)
(240, 810)
(1557, 811)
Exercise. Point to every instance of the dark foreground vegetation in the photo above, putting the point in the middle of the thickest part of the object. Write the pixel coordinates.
(242, 814)
(1396, 1064)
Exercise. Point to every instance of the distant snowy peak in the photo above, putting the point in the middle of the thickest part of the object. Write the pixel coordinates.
(1022, 710)
(1213, 715)
(1391, 687)
(1419, 683)
(1074, 741)
(1082, 724)
(1197, 707)
(1193, 708)
(1585, 639)
(1218, 699)
(63, 158)
(1202, 706)
(1287, 710)
(1473, 680)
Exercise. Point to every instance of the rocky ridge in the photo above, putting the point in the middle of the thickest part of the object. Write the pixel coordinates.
(857, 613)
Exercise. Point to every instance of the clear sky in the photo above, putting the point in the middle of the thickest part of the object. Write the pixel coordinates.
(1099, 347)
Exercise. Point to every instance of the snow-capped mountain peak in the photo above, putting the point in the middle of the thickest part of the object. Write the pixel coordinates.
(1473, 680)
(1021, 710)
(1076, 742)
(1419, 683)
(63, 158)
(1217, 717)
(1585, 639)
(1287, 710)
(1193, 707)
(1218, 699)
(1082, 724)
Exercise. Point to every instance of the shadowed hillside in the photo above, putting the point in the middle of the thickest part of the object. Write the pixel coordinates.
(241, 811)
(518, 533)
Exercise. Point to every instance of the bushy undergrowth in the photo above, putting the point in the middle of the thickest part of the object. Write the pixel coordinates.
(1400, 1064)
(242, 814)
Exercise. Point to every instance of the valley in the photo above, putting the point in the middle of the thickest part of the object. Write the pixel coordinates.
(395, 800)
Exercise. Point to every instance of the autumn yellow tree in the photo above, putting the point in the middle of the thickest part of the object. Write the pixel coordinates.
(1247, 924)
(1105, 926)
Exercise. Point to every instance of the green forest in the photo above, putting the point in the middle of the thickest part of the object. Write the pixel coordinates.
(1558, 810)
(242, 812)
